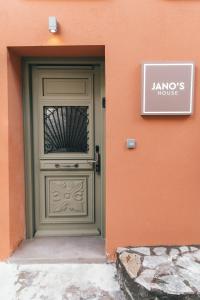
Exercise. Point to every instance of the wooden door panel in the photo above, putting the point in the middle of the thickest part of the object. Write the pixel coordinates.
(65, 85)
(69, 197)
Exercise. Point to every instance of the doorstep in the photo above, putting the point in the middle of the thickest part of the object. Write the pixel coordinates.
(60, 250)
(159, 273)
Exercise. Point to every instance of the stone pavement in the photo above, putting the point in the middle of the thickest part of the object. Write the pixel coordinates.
(160, 273)
(59, 282)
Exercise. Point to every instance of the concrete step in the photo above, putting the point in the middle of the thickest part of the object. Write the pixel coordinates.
(60, 250)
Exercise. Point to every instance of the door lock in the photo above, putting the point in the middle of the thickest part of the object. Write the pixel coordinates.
(98, 159)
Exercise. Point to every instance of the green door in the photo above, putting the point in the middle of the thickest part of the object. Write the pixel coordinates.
(66, 139)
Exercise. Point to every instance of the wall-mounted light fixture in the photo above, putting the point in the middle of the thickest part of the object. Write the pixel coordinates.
(53, 25)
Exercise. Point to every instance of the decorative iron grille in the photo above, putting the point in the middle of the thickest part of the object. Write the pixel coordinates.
(65, 129)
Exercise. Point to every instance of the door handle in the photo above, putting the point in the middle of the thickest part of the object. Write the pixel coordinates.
(97, 161)
(91, 161)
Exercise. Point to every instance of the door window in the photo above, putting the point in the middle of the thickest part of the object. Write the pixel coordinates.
(66, 129)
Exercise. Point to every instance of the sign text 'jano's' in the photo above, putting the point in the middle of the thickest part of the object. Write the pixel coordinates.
(167, 88)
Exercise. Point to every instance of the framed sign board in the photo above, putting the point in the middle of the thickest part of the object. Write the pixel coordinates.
(167, 88)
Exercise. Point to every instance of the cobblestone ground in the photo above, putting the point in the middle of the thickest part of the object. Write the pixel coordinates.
(59, 282)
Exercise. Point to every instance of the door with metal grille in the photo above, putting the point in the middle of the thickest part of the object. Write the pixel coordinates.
(66, 151)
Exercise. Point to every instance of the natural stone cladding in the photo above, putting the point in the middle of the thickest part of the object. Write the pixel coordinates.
(159, 273)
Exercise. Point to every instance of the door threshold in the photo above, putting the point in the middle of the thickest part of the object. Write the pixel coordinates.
(67, 233)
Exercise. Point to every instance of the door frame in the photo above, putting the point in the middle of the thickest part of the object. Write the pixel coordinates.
(27, 65)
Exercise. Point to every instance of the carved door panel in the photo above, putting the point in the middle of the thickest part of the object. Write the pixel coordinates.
(64, 152)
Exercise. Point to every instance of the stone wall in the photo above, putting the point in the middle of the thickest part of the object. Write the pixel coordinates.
(159, 273)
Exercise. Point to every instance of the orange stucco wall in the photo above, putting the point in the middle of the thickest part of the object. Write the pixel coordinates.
(152, 192)
(16, 153)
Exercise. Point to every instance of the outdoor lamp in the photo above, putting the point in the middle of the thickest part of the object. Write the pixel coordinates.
(53, 25)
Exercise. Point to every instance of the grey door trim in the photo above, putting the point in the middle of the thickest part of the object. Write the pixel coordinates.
(27, 65)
